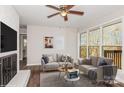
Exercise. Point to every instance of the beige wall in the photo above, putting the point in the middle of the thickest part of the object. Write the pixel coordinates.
(65, 42)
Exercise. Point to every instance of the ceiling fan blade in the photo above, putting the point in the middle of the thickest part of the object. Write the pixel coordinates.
(66, 18)
(76, 12)
(53, 15)
(53, 7)
(69, 6)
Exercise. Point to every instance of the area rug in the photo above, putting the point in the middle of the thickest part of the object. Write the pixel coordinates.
(51, 79)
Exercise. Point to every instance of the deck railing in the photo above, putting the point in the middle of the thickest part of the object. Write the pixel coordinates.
(115, 55)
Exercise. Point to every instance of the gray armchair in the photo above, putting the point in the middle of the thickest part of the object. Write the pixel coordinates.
(108, 73)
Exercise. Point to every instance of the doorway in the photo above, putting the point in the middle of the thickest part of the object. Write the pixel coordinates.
(23, 50)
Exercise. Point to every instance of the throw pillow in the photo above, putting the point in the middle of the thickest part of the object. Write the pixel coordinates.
(94, 60)
(45, 58)
(69, 59)
(102, 63)
(59, 56)
(63, 58)
(50, 58)
(88, 61)
(80, 61)
(84, 61)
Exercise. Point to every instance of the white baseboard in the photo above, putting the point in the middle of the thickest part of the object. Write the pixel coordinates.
(33, 64)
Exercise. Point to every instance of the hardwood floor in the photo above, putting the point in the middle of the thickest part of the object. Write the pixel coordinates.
(34, 80)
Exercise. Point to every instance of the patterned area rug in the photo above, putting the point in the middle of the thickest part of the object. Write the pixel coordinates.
(51, 79)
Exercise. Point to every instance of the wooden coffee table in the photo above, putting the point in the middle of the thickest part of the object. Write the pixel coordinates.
(63, 69)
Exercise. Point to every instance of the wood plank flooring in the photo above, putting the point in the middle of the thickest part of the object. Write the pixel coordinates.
(34, 80)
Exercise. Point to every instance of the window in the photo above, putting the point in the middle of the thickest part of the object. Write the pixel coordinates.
(94, 41)
(94, 37)
(93, 50)
(84, 39)
(107, 43)
(83, 45)
(112, 35)
(112, 47)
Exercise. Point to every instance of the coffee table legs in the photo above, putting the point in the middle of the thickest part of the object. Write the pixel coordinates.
(59, 75)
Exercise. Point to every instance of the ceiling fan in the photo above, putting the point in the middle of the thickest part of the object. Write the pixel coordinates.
(64, 10)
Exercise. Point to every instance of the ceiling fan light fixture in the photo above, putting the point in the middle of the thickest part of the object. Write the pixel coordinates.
(64, 10)
(63, 13)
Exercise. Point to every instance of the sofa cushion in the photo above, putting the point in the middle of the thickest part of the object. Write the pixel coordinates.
(63, 63)
(86, 68)
(61, 58)
(94, 60)
(51, 65)
(89, 67)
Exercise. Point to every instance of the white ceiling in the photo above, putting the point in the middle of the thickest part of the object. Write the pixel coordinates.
(94, 14)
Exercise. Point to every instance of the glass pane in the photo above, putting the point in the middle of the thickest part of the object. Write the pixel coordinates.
(83, 51)
(94, 37)
(83, 39)
(93, 50)
(112, 34)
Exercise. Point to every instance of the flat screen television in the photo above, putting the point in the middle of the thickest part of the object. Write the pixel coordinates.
(8, 38)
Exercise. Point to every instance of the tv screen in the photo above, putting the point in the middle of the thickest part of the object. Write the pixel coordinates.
(8, 38)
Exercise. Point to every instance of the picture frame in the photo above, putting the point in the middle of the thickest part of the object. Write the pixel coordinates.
(48, 42)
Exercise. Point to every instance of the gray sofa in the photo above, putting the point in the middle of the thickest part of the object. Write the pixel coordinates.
(87, 65)
(55, 61)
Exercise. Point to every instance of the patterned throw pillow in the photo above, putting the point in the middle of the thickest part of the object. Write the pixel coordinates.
(45, 58)
(63, 58)
(69, 59)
